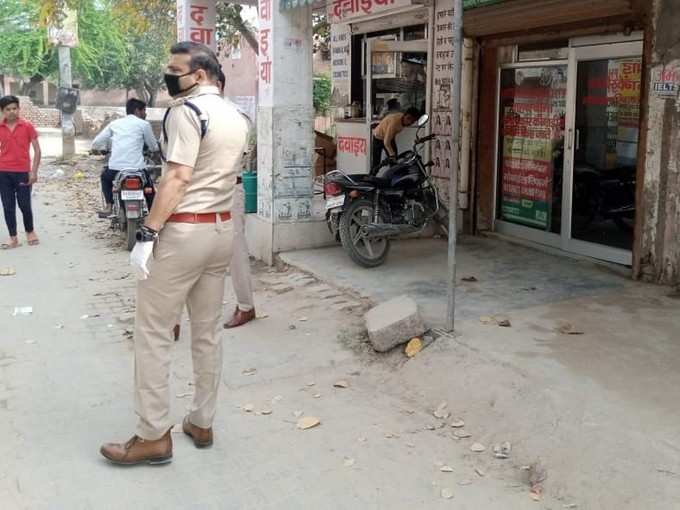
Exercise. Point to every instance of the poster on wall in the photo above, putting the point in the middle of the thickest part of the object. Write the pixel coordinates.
(533, 107)
(623, 111)
(341, 43)
(442, 114)
(66, 32)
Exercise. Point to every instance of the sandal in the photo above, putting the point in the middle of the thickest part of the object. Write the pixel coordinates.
(34, 242)
(9, 246)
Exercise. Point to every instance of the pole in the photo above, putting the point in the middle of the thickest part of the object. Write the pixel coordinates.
(455, 166)
(68, 135)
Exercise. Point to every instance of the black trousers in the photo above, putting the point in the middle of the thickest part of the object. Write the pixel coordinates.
(107, 178)
(14, 188)
(378, 148)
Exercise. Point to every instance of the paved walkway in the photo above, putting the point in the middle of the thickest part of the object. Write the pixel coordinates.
(66, 386)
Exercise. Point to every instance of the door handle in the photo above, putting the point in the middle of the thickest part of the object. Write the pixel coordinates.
(577, 142)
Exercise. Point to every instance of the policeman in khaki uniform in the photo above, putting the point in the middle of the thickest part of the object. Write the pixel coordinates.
(182, 255)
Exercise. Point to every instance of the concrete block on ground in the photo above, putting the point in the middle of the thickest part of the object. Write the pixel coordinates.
(393, 323)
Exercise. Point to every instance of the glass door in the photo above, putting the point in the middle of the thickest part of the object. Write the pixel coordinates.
(532, 110)
(602, 146)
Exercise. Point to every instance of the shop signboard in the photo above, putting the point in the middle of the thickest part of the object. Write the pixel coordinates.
(532, 134)
(196, 22)
(344, 10)
(666, 82)
(353, 148)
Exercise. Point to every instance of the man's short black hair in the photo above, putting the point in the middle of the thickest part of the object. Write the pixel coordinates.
(8, 100)
(221, 80)
(133, 105)
(413, 112)
(393, 103)
(202, 57)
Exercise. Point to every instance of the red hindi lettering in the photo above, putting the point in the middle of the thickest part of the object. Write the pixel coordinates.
(266, 71)
(201, 35)
(266, 10)
(197, 14)
(337, 8)
(350, 6)
(264, 41)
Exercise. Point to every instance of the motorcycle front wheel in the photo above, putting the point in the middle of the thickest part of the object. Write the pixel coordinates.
(364, 252)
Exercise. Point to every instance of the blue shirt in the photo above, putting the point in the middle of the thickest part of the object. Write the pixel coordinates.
(126, 138)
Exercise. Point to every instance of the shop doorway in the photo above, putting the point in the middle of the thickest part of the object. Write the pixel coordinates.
(398, 72)
(567, 148)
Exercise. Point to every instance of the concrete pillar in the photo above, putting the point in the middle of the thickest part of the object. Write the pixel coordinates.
(285, 141)
(46, 93)
(657, 251)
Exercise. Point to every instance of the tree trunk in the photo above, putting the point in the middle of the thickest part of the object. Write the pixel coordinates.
(153, 95)
(249, 36)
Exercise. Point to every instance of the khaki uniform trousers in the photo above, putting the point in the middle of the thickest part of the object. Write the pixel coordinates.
(189, 266)
(240, 262)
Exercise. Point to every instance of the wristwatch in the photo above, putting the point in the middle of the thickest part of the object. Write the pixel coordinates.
(146, 234)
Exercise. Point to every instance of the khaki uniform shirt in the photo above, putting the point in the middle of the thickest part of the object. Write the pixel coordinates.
(216, 159)
(388, 129)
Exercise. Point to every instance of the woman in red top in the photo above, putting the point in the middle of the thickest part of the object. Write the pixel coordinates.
(17, 175)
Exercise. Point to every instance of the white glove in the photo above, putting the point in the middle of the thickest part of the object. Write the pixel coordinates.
(139, 257)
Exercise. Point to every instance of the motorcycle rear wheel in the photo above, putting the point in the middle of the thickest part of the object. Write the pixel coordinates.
(131, 231)
(363, 252)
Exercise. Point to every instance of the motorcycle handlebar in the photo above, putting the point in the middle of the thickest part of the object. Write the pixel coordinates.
(426, 138)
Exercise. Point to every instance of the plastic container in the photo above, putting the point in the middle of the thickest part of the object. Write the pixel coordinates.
(250, 191)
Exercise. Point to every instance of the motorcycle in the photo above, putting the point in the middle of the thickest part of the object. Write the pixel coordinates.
(364, 212)
(133, 192)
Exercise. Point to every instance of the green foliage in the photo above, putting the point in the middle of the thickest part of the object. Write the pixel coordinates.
(321, 93)
(322, 35)
(121, 43)
(102, 58)
(23, 47)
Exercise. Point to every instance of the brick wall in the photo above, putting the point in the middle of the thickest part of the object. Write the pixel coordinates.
(39, 117)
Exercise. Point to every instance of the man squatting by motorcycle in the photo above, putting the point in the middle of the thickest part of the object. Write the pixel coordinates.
(182, 254)
(385, 134)
(126, 139)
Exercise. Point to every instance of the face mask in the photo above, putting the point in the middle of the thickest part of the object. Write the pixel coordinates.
(172, 82)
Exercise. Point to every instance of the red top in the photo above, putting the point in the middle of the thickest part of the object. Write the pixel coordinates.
(15, 146)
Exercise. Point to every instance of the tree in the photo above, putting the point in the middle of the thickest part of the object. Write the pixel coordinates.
(231, 27)
(321, 94)
(23, 47)
(150, 30)
(322, 35)
(24, 52)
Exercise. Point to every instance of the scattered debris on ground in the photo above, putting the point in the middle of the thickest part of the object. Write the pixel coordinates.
(308, 422)
(567, 328)
(502, 451)
(393, 323)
